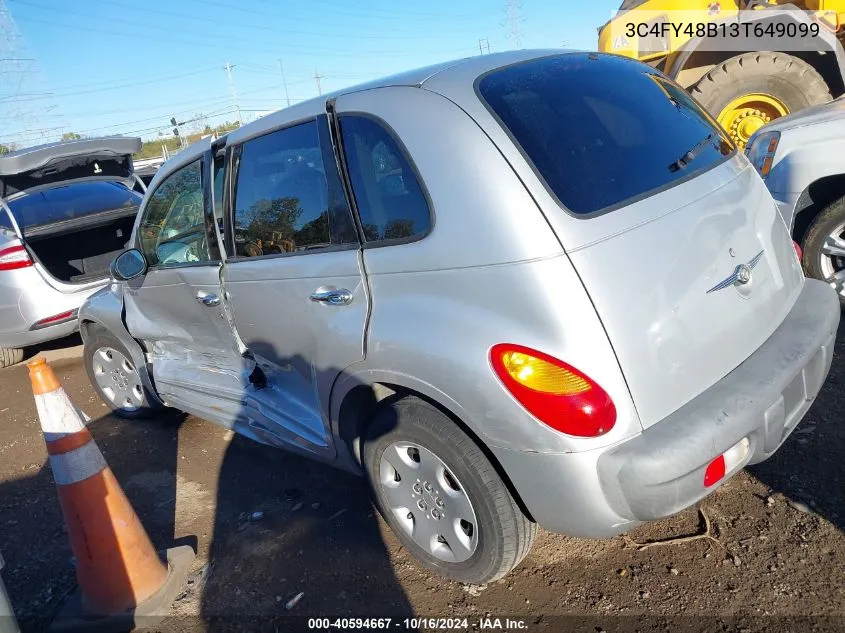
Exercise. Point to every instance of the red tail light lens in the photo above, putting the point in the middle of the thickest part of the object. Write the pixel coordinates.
(797, 250)
(14, 257)
(554, 392)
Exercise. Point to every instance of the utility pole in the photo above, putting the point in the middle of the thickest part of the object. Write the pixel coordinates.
(228, 68)
(482, 45)
(285, 82)
(514, 19)
(317, 78)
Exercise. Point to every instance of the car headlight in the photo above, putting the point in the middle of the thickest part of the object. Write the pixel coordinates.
(761, 152)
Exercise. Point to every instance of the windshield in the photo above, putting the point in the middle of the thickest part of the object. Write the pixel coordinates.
(602, 130)
(70, 202)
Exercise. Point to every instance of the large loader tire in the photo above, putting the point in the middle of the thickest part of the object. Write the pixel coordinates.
(747, 91)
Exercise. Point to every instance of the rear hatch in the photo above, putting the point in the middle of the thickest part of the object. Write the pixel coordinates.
(657, 210)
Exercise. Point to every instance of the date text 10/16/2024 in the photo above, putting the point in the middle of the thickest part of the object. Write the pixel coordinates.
(414, 624)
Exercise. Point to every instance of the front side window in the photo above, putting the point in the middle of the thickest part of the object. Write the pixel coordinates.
(172, 231)
(600, 130)
(286, 199)
(390, 200)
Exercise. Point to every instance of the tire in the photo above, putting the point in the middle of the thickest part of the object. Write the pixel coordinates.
(10, 356)
(790, 80)
(99, 341)
(503, 534)
(830, 222)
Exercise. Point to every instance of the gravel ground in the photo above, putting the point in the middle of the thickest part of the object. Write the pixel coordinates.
(777, 552)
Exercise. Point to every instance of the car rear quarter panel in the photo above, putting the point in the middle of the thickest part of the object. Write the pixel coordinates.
(490, 271)
(805, 155)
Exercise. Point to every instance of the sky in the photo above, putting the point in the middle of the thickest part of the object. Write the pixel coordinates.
(98, 67)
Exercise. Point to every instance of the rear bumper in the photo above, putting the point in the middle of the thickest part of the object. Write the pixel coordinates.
(25, 299)
(660, 471)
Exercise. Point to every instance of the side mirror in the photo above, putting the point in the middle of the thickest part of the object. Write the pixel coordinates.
(128, 265)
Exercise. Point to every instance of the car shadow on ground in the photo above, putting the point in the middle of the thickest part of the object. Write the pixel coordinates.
(280, 526)
(807, 469)
(58, 345)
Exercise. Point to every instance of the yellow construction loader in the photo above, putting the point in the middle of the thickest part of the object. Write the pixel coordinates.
(713, 49)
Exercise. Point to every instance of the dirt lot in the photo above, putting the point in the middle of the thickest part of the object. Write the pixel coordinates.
(779, 554)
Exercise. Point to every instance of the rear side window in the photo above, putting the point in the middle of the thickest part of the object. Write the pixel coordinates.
(286, 200)
(72, 201)
(600, 130)
(390, 200)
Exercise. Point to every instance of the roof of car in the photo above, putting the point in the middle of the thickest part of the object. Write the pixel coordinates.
(479, 65)
(30, 158)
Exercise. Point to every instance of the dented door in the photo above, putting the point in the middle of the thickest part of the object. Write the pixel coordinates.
(177, 307)
(293, 281)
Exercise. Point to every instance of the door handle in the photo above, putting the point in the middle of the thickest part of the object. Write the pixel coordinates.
(332, 297)
(208, 299)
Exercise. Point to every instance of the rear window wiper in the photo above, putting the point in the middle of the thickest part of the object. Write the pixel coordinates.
(691, 154)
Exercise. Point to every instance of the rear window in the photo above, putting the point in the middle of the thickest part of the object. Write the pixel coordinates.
(70, 202)
(600, 130)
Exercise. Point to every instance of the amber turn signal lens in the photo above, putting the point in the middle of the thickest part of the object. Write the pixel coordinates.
(554, 392)
(539, 375)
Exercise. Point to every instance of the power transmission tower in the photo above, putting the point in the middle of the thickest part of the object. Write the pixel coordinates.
(515, 19)
(228, 68)
(317, 78)
(29, 112)
(285, 82)
(483, 46)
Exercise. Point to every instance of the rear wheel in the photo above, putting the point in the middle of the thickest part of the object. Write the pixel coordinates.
(115, 378)
(747, 91)
(10, 356)
(824, 247)
(441, 496)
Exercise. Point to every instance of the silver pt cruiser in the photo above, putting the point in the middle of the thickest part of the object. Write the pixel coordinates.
(532, 288)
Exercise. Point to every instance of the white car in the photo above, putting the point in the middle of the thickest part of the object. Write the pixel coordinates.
(801, 157)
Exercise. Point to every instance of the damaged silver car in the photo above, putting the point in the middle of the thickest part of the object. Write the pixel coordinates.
(529, 288)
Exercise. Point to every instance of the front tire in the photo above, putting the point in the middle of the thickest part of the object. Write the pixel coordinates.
(10, 356)
(115, 378)
(824, 247)
(441, 496)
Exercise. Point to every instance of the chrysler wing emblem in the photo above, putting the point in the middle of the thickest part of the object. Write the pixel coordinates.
(740, 276)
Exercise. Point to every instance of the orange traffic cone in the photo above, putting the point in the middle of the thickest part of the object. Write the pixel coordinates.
(120, 574)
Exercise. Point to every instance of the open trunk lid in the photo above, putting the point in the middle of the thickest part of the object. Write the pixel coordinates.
(106, 157)
(71, 205)
(674, 235)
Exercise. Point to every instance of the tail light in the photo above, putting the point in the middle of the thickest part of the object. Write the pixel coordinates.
(62, 317)
(14, 257)
(554, 392)
(797, 250)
